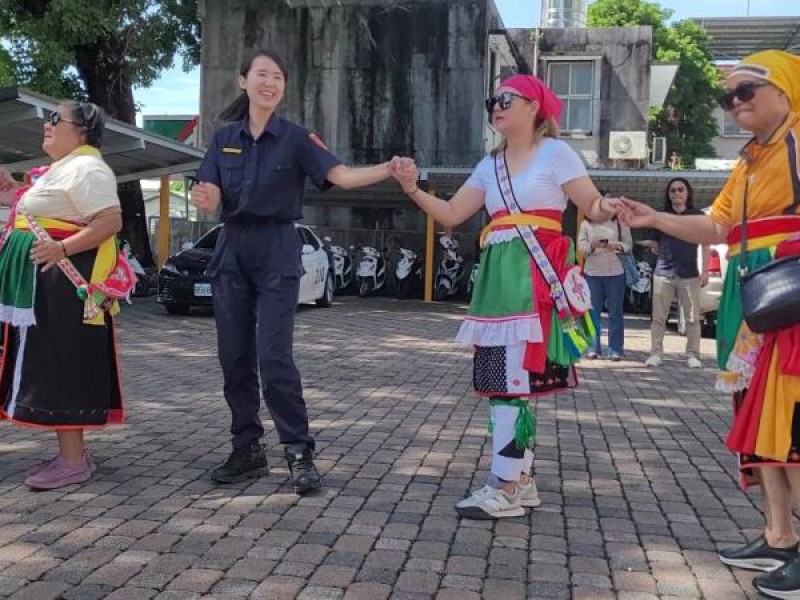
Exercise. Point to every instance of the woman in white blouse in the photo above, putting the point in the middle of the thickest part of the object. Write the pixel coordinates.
(59, 275)
(602, 242)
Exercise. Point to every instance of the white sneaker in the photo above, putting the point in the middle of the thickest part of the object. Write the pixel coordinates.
(591, 355)
(490, 503)
(529, 495)
(694, 362)
(653, 361)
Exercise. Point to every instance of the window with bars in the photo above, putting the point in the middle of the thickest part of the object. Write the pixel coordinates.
(573, 82)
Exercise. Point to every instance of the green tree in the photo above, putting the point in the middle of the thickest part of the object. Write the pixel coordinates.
(97, 50)
(687, 119)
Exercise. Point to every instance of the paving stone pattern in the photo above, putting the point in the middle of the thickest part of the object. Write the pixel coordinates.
(638, 491)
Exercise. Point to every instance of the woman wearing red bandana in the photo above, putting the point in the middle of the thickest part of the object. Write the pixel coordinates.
(528, 319)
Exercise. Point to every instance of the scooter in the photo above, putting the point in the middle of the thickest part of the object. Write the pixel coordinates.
(408, 274)
(450, 270)
(640, 294)
(371, 271)
(342, 267)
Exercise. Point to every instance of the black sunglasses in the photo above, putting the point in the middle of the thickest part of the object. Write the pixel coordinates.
(55, 118)
(678, 189)
(744, 92)
(503, 100)
(87, 113)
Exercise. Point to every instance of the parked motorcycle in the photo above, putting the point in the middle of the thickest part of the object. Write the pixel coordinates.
(371, 271)
(640, 294)
(342, 266)
(450, 271)
(408, 274)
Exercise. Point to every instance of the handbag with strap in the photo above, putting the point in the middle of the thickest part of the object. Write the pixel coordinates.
(771, 293)
(628, 262)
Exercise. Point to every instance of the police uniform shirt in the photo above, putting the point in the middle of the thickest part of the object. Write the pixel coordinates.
(263, 179)
(263, 182)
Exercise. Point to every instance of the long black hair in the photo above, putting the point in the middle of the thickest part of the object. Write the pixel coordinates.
(689, 194)
(240, 108)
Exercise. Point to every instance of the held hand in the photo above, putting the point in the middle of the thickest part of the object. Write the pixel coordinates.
(7, 182)
(638, 214)
(206, 196)
(598, 244)
(612, 205)
(47, 253)
(406, 173)
(703, 280)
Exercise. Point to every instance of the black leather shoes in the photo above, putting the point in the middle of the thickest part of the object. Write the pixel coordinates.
(246, 463)
(305, 477)
(783, 582)
(757, 556)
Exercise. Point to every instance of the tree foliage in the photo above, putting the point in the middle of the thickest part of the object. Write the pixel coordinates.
(97, 50)
(687, 119)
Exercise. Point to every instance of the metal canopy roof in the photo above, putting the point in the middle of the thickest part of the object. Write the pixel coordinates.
(131, 152)
(733, 38)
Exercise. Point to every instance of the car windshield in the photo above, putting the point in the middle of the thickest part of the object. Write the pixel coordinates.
(209, 240)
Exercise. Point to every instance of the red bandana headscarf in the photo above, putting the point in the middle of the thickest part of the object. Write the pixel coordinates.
(533, 88)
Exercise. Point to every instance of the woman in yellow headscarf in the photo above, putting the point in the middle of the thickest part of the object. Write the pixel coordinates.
(762, 371)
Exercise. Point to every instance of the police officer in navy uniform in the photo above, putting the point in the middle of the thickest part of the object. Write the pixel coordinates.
(256, 166)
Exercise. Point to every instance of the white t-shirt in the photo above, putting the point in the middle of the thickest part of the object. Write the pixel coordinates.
(538, 187)
(75, 188)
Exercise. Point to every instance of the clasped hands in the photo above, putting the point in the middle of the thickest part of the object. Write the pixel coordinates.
(405, 171)
(629, 212)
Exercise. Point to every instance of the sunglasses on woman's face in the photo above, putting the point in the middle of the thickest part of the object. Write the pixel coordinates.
(503, 100)
(55, 118)
(744, 92)
(675, 190)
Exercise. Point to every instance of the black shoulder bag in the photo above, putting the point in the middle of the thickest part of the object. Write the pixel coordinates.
(770, 294)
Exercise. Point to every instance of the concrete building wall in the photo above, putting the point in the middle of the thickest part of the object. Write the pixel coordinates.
(621, 94)
(373, 78)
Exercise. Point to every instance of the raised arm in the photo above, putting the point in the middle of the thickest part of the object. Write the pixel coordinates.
(349, 178)
(585, 196)
(695, 229)
(466, 202)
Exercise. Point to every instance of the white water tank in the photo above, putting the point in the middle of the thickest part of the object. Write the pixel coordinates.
(561, 14)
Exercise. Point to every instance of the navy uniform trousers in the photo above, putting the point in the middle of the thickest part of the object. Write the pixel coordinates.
(256, 281)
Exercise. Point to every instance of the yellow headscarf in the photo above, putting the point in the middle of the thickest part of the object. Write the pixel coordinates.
(781, 69)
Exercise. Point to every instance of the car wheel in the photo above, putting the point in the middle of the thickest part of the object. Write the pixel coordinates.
(327, 294)
(177, 309)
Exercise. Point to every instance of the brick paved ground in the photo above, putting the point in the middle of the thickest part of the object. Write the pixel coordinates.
(638, 491)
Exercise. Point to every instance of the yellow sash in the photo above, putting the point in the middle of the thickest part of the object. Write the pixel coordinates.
(104, 263)
(519, 219)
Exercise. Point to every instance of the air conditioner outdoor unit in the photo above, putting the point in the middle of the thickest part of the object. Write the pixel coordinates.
(658, 151)
(627, 145)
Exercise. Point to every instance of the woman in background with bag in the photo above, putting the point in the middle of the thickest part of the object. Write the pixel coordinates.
(762, 370)
(605, 244)
(60, 277)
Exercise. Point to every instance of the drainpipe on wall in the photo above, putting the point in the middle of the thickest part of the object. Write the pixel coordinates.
(535, 66)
